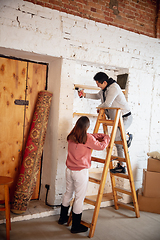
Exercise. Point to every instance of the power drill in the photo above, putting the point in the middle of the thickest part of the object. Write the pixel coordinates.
(80, 94)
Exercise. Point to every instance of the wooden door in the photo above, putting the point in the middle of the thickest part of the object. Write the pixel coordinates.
(19, 80)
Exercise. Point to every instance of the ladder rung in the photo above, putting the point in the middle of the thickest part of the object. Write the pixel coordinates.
(122, 190)
(119, 142)
(97, 160)
(127, 206)
(89, 201)
(94, 180)
(106, 122)
(86, 224)
(106, 197)
(2, 209)
(116, 158)
(122, 175)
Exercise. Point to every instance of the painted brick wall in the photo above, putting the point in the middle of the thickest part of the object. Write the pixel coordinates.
(78, 48)
(136, 16)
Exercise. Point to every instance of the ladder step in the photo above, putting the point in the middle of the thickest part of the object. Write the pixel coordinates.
(106, 122)
(94, 180)
(86, 224)
(89, 201)
(122, 190)
(127, 206)
(116, 158)
(106, 197)
(122, 175)
(97, 160)
(119, 142)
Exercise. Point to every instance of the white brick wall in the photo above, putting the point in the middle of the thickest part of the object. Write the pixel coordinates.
(85, 47)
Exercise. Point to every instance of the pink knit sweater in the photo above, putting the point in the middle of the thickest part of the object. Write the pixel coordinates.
(79, 155)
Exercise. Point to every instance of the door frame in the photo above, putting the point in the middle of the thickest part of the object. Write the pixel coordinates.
(50, 155)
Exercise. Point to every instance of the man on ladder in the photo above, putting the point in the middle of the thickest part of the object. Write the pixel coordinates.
(111, 95)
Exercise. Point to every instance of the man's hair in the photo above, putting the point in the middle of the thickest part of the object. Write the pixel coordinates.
(79, 132)
(101, 77)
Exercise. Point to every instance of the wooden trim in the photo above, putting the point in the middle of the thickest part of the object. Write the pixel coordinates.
(84, 114)
(92, 87)
(86, 87)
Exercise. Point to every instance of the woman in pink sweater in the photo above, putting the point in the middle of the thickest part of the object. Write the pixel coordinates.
(80, 144)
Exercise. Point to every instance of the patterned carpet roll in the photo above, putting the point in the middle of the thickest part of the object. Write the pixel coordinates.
(32, 155)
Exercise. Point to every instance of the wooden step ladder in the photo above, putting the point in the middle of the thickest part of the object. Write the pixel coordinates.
(117, 122)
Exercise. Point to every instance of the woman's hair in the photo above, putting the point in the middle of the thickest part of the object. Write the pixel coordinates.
(79, 132)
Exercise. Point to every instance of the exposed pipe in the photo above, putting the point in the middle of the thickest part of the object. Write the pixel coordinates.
(48, 187)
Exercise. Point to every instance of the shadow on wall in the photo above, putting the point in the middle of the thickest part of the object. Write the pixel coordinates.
(135, 175)
(113, 4)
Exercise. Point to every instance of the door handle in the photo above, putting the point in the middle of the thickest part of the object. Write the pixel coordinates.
(21, 102)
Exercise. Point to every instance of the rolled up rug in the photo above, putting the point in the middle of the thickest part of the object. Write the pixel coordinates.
(32, 154)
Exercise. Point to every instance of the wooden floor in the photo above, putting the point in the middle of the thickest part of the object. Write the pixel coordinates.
(112, 225)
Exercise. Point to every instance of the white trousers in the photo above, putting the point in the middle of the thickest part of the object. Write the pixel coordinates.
(76, 183)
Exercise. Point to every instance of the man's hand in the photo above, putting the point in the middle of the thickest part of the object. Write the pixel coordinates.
(81, 93)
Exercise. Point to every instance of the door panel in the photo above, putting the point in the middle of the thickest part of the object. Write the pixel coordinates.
(35, 83)
(12, 86)
(18, 80)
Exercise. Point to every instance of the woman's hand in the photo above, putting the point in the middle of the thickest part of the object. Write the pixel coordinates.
(100, 139)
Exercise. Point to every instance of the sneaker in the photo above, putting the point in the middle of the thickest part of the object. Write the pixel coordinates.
(118, 169)
(130, 139)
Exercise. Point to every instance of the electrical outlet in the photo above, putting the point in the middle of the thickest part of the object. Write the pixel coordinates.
(47, 186)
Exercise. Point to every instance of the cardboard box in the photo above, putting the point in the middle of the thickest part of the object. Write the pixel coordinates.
(151, 184)
(153, 165)
(148, 204)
